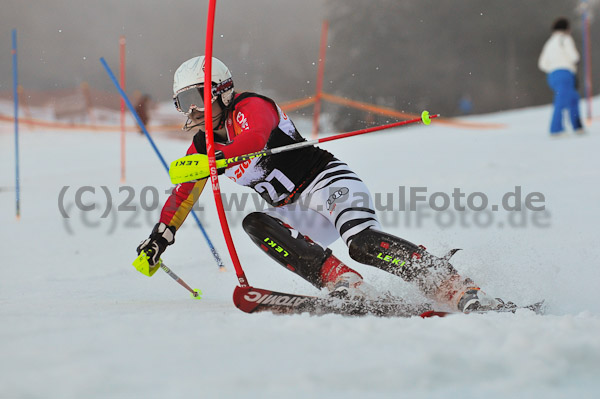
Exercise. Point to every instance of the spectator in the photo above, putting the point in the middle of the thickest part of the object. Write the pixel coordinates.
(558, 60)
(142, 110)
(465, 104)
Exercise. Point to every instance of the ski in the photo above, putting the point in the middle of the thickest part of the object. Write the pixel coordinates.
(537, 307)
(254, 300)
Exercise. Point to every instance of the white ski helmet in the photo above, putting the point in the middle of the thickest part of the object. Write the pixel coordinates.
(190, 74)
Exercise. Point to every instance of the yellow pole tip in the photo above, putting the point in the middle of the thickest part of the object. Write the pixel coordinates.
(425, 117)
(197, 294)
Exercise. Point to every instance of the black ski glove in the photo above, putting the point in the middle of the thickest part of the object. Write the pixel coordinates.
(161, 237)
(200, 145)
(219, 155)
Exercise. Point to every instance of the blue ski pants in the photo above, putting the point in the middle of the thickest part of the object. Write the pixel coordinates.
(562, 82)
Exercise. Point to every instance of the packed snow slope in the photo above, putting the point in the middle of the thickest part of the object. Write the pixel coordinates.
(78, 321)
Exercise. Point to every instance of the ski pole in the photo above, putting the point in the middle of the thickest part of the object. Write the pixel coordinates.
(142, 265)
(196, 293)
(195, 166)
(111, 75)
(425, 118)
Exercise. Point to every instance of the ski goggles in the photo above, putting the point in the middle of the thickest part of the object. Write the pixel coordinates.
(192, 97)
(189, 99)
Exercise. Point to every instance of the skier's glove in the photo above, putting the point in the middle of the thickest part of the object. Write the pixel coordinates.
(200, 145)
(161, 237)
(219, 155)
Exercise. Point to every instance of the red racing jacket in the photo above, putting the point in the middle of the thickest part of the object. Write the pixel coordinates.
(254, 123)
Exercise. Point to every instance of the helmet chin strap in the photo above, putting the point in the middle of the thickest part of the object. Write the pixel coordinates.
(218, 123)
(187, 127)
(222, 115)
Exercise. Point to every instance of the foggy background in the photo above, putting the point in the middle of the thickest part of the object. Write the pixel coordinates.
(407, 55)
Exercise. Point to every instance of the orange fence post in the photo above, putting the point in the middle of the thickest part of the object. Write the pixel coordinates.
(25, 105)
(85, 88)
(320, 73)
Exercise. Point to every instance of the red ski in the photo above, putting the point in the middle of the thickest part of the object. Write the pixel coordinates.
(253, 300)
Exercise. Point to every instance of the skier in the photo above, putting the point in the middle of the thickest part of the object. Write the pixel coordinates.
(142, 110)
(314, 196)
(558, 60)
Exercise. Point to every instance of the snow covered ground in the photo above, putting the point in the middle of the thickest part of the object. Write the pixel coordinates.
(78, 321)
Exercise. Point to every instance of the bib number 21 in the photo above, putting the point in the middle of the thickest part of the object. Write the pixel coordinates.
(276, 177)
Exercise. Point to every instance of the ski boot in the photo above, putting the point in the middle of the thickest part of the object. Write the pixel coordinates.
(464, 295)
(475, 300)
(437, 279)
(342, 281)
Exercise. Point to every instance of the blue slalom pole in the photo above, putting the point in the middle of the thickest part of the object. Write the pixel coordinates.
(16, 98)
(162, 160)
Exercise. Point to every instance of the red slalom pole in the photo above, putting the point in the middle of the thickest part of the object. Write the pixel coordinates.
(210, 149)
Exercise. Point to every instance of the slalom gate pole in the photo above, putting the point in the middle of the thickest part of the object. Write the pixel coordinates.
(587, 63)
(16, 99)
(425, 118)
(162, 160)
(123, 132)
(210, 148)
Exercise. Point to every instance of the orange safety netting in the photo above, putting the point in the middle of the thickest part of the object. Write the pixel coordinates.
(403, 115)
(304, 102)
(286, 106)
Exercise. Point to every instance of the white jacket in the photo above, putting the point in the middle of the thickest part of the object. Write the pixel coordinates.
(559, 52)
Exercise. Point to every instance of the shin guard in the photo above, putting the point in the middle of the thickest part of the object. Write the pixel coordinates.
(402, 258)
(287, 246)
